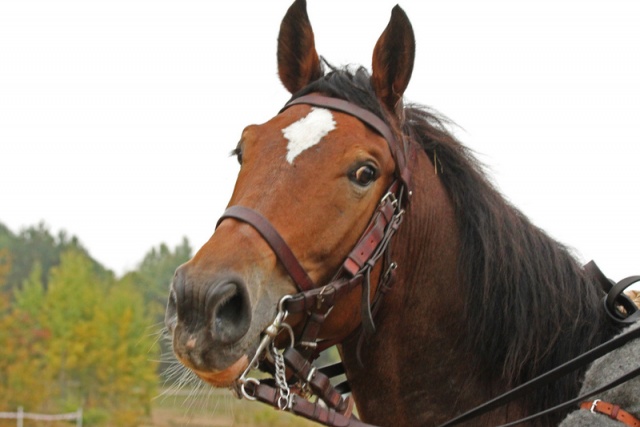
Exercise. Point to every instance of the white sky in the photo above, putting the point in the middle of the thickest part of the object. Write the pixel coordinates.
(117, 116)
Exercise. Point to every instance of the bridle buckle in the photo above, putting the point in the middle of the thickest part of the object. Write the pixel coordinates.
(389, 198)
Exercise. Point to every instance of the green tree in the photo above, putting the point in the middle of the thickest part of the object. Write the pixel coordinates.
(153, 278)
(72, 296)
(91, 343)
(129, 376)
(157, 268)
(23, 342)
(5, 265)
(36, 244)
(30, 297)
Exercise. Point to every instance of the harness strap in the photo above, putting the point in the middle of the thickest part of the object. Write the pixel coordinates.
(373, 234)
(620, 380)
(306, 301)
(318, 382)
(314, 411)
(552, 375)
(273, 238)
(612, 411)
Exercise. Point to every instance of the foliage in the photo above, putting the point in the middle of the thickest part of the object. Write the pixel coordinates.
(77, 338)
(153, 276)
(72, 334)
(156, 271)
(5, 265)
(22, 361)
(36, 244)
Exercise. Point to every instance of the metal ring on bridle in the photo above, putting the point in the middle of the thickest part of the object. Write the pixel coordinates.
(244, 391)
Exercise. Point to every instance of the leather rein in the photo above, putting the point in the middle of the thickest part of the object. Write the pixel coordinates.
(305, 390)
(297, 385)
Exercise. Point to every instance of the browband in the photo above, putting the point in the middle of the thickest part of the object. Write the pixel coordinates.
(398, 151)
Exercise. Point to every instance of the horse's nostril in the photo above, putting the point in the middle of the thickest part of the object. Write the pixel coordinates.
(231, 314)
(229, 311)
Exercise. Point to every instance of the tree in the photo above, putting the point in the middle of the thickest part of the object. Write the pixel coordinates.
(84, 340)
(36, 244)
(129, 372)
(23, 341)
(5, 265)
(153, 278)
(73, 335)
(157, 268)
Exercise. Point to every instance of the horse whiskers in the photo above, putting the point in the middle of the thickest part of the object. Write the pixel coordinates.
(179, 381)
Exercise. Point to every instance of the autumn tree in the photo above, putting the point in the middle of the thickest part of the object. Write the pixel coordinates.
(23, 343)
(82, 341)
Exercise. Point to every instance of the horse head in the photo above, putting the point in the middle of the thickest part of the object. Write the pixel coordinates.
(316, 176)
(484, 300)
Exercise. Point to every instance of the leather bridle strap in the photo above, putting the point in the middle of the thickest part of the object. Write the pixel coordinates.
(314, 411)
(275, 241)
(398, 151)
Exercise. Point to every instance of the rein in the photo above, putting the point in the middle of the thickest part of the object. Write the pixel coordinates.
(295, 380)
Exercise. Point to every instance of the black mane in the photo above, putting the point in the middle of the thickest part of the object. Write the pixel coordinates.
(529, 304)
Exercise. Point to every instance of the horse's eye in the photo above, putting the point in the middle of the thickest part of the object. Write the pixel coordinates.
(364, 175)
(238, 153)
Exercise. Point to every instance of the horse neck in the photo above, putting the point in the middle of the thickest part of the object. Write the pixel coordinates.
(440, 348)
(414, 369)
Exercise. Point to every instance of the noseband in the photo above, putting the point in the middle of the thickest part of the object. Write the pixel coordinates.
(316, 302)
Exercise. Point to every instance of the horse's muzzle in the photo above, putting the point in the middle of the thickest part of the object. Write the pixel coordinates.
(206, 315)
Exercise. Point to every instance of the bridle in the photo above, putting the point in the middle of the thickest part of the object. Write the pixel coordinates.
(291, 390)
(296, 381)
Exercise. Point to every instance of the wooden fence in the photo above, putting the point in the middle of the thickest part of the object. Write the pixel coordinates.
(20, 416)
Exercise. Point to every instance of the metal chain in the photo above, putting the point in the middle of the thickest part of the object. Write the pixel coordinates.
(281, 378)
(266, 344)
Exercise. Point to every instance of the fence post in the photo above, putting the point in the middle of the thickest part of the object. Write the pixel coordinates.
(79, 418)
(20, 416)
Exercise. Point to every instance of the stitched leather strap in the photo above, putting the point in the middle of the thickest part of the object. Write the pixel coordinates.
(612, 411)
(373, 234)
(314, 411)
(273, 238)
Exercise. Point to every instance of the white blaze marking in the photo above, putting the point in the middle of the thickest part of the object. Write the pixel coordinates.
(308, 131)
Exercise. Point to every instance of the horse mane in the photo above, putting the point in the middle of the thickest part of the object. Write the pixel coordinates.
(529, 304)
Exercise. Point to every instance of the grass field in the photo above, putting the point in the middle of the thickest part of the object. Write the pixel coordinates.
(217, 408)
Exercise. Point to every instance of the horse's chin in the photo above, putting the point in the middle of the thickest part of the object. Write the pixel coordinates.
(226, 377)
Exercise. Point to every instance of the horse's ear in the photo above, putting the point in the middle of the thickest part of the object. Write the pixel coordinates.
(298, 62)
(393, 59)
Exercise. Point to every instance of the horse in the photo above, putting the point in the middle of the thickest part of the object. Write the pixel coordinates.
(462, 300)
